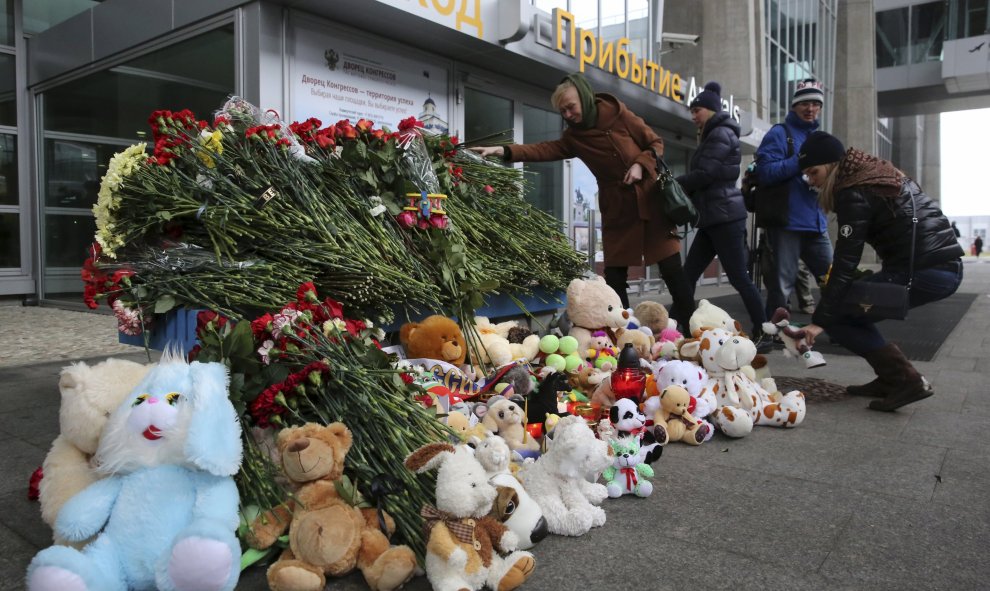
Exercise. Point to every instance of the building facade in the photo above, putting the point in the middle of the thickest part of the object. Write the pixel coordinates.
(83, 77)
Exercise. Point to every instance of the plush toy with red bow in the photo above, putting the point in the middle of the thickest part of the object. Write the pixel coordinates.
(629, 471)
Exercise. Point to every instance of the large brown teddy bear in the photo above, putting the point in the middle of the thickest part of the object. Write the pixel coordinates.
(436, 337)
(327, 536)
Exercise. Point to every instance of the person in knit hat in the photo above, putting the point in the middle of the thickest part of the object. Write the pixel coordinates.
(711, 183)
(877, 204)
(804, 234)
(620, 149)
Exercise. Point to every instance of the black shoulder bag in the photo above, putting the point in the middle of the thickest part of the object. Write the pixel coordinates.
(676, 205)
(771, 203)
(878, 300)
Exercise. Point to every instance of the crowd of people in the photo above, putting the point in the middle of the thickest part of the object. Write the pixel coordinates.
(874, 203)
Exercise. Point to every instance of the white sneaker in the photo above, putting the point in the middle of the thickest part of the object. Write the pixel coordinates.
(813, 359)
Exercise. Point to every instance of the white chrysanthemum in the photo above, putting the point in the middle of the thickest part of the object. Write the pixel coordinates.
(121, 166)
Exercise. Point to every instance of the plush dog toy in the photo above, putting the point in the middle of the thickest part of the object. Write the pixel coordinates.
(629, 470)
(795, 344)
(464, 542)
(436, 337)
(167, 510)
(89, 394)
(327, 536)
(558, 481)
(513, 506)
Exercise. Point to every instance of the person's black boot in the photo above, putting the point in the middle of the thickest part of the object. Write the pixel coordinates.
(901, 381)
(876, 359)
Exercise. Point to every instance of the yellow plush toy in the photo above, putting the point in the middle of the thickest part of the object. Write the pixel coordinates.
(327, 536)
(673, 411)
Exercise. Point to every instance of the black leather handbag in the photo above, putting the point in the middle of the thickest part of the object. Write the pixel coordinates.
(677, 206)
(876, 300)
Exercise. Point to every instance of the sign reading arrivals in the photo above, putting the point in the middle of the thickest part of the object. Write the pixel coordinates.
(334, 79)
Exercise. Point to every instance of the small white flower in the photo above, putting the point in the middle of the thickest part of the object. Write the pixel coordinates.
(264, 349)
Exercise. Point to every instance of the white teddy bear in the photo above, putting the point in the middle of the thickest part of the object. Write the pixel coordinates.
(525, 517)
(462, 551)
(592, 306)
(559, 480)
(89, 394)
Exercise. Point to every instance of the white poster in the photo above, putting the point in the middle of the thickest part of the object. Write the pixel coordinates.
(334, 78)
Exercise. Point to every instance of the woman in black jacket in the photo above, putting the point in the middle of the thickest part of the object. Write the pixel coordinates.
(876, 204)
(711, 182)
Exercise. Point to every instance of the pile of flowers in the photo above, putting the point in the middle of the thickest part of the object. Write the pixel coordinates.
(311, 362)
(232, 215)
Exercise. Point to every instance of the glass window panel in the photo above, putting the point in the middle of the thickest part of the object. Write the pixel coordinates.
(66, 239)
(10, 240)
(892, 37)
(8, 94)
(585, 14)
(7, 22)
(73, 170)
(8, 170)
(927, 32)
(545, 186)
(613, 20)
(976, 18)
(485, 114)
(197, 74)
(41, 15)
(639, 27)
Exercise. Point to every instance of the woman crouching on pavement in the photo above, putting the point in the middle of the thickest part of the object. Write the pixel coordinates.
(876, 204)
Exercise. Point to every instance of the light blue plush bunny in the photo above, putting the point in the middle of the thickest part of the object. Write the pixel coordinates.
(167, 512)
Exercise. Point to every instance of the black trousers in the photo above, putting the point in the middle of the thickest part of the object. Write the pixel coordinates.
(673, 275)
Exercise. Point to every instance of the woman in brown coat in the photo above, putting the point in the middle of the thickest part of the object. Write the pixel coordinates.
(618, 147)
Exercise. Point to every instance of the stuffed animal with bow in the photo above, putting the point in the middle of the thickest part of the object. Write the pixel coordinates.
(465, 544)
(629, 471)
(166, 512)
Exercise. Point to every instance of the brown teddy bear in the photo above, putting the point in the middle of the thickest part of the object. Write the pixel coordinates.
(327, 536)
(436, 337)
(681, 425)
(642, 342)
(652, 315)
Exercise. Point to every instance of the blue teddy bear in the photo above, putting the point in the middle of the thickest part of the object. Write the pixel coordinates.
(166, 513)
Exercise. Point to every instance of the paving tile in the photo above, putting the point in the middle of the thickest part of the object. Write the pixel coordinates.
(949, 429)
(31, 424)
(15, 555)
(919, 546)
(965, 480)
(17, 463)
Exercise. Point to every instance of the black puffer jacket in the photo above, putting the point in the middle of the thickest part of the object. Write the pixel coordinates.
(885, 224)
(714, 169)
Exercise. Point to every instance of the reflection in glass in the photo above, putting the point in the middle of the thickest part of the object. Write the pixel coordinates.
(8, 169)
(10, 240)
(7, 22)
(796, 32)
(8, 95)
(892, 37)
(41, 15)
(485, 114)
(73, 170)
(927, 32)
(66, 238)
(545, 186)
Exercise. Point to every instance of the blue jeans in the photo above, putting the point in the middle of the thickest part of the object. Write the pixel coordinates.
(728, 241)
(788, 247)
(929, 285)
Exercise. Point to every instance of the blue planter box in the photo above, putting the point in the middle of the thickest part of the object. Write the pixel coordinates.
(178, 327)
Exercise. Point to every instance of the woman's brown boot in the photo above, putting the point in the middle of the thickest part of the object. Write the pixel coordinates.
(898, 379)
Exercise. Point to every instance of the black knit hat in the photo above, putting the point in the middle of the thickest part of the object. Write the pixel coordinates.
(820, 148)
(808, 89)
(709, 98)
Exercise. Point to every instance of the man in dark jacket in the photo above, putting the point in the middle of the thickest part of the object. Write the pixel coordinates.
(805, 237)
(711, 182)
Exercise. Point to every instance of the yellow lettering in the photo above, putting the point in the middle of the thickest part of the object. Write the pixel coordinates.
(588, 49)
(676, 90)
(474, 21)
(605, 61)
(638, 71)
(559, 16)
(652, 66)
(423, 3)
(622, 65)
(664, 86)
(444, 10)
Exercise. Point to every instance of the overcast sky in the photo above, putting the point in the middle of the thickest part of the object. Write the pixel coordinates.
(965, 163)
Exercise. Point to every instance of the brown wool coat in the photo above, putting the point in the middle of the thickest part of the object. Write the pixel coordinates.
(634, 231)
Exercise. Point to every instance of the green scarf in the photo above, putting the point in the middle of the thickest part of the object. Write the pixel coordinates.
(589, 110)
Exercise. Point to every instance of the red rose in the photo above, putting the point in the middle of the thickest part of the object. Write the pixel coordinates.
(364, 125)
(409, 123)
(260, 326)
